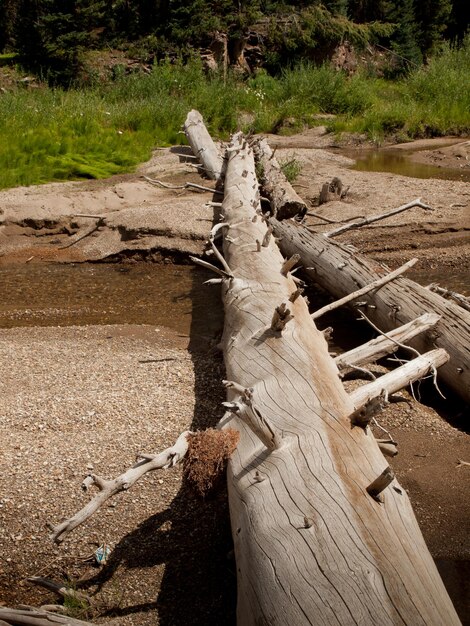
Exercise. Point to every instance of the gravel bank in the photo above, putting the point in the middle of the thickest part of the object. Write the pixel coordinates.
(81, 399)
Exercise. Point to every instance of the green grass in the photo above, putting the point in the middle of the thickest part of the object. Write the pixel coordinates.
(51, 135)
(291, 168)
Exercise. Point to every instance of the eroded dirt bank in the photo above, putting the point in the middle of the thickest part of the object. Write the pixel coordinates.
(88, 398)
(47, 222)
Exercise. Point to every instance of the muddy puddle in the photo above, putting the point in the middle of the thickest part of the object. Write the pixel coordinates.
(398, 161)
(172, 296)
(144, 293)
(452, 279)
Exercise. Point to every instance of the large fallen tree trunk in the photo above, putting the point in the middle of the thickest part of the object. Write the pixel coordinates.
(203, 146)
(341, 270)
(323, 533)
(284, 200)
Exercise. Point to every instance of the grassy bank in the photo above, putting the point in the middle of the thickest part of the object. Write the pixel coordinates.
(51, 135)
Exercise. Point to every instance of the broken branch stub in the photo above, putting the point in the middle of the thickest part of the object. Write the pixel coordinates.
(380, 484)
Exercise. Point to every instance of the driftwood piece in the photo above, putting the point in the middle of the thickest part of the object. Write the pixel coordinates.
(190, 186)
(61, 590)
(379, 347)
(395, 304)
(401, 377)
(108, 488)
(373, 286)
(388, 447)
(30, 616)
(375, 218)
(324, 194)
(311, 544)
(285, 202)
(461, 300)
(203, 146)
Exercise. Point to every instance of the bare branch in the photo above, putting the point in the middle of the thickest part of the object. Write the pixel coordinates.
(386, 343)
(376, 284)
(209, 266)
(168, 458)
(399, 378)
(375, 218)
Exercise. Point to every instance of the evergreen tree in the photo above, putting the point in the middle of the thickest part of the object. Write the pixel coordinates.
(459, 21)
(432, 18)
(7, 22)
(337, 7)
(52, 34)
(404, 41)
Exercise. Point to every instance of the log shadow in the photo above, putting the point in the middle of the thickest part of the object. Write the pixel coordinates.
(192, 537)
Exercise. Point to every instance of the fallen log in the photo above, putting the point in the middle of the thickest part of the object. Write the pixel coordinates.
(285, 202)
(341, 270)
(318, 539)
(30, 616)
(203, 146)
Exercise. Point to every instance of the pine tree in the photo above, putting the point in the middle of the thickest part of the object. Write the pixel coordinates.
(432, 18)
(52, 35)
(7, 22)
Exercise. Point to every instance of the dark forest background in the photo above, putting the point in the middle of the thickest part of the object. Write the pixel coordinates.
(51, 37)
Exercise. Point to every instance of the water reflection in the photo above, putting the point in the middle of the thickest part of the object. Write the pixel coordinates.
(81, 294)
(398, 162)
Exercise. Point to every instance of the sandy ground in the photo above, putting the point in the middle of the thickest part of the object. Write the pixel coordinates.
(80, 399)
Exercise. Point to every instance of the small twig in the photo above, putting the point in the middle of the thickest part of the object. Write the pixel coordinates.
(320, 217)
(186, 156)
(209, 266)
(153, 181)
(204, 169)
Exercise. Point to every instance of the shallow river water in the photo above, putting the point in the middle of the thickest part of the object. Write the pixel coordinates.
(398, 161)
